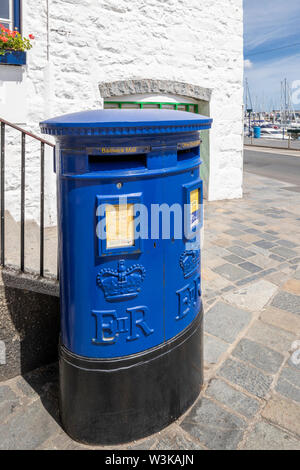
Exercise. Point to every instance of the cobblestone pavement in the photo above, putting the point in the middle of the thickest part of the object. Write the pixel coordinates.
(251, 285)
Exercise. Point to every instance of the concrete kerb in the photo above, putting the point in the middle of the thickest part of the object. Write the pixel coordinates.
(18, 280)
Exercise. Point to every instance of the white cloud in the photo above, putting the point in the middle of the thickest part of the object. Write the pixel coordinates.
(248, 64)
(265, 78)
(269, 20)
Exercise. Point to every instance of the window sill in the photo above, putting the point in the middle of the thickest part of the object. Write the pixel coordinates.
(13, 58)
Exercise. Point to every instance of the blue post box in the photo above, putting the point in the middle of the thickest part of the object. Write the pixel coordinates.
(129, 215)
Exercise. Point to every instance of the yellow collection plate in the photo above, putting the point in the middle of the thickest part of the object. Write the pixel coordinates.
(119, 226)
(194, 205)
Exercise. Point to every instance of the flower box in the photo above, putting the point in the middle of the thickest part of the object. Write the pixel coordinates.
(13, 58)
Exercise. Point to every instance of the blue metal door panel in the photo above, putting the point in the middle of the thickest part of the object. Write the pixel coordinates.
(93, 326)
(182, 278)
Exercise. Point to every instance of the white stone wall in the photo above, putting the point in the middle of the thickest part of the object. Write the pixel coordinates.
(80, 43)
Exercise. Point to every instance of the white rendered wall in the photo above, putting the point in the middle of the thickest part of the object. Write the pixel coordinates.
(93, 41)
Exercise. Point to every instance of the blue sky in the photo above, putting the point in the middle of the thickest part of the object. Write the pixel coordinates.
(271, 24)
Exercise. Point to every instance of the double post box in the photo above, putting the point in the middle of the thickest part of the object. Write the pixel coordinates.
(129, 218)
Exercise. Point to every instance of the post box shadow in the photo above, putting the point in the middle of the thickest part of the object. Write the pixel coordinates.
(45, 383)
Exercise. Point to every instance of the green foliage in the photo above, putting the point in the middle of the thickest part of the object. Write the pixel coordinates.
(13, 41)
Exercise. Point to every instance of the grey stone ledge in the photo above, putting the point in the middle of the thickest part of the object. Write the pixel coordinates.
(25, 281)
(138, 86)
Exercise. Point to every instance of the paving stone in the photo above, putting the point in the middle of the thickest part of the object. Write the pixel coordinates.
(278, 278)
(208, 293)
(297, 274)
(146, 444)
(230, 272)
(28, 428)
(249, 238)
(270, 336)
(236, 400)
(268, 437)
(286, 268)
(8, 402)
(236, 219)
(223, 242)
(210, 301)
(217, 251)
(265, 273)
(253, 231)
(284, 252)
(286, 243)
(240, 251)
(284, 413)
(253, 297)
(234, 232)
(260, 251)
(286, 301)
(227, 289)
(207, 274)
(276, 257)
(292, 286)
(215, 427)
(294, 359)
(212, 261)
(275, 216)
(172, 440)
(285, 320)
(264, 244)
(246, 376)
(288, 383)
(247, 280)
(252, 268)
(263, 261)
(258, 355)
(267, 236)
(291, 373)
(225, 321)
(233, 259)
(62, 441)
(39, 380)
(295, 267)
(213, 349)
(287, 390)
(240, 242)
(259, 223)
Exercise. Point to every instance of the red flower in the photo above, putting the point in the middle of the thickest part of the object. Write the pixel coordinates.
(3, 38)
(31, 36)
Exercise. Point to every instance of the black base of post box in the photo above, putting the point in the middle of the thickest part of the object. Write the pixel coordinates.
(113, 401)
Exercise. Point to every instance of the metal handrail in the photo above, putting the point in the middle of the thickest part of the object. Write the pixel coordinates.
(43, 142)
(26, 132)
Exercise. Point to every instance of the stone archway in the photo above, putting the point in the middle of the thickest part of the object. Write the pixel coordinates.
(201, 95)
(135, 87)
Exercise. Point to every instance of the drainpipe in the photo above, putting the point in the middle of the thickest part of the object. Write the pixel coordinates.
(48, 30)
(48, 67)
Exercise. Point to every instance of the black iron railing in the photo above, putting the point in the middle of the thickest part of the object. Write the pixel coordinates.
(43, 143)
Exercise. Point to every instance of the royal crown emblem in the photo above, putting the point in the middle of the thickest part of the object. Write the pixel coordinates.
(189, 262)
(123, 283)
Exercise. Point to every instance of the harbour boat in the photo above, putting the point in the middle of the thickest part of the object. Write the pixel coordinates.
(272, 133)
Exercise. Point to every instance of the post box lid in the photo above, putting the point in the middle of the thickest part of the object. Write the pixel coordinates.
(120, 122)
